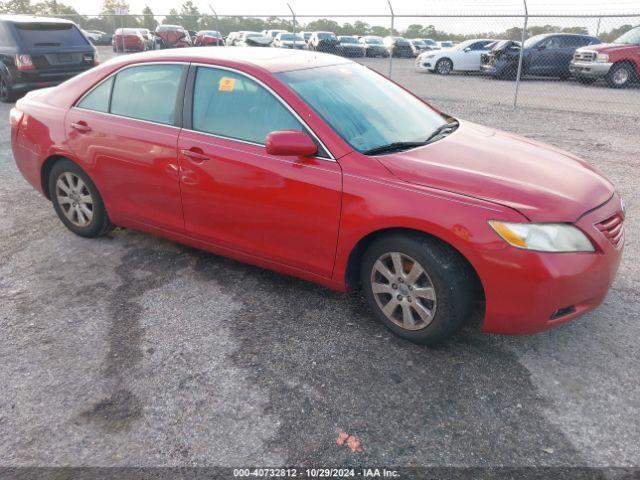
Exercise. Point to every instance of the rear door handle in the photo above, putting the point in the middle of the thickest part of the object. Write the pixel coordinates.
(197, 156)
(81, 126)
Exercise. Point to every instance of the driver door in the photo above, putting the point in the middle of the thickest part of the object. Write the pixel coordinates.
(236, 195)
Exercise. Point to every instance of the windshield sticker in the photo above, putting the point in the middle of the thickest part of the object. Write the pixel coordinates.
(226, 84)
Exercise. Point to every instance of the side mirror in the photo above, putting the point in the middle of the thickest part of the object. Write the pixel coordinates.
(467, 49)
(290, 142)
(542, 47)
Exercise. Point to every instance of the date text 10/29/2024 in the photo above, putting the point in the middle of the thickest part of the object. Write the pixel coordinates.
(315, 473)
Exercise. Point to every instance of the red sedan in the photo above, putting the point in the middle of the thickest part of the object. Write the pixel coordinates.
(208, 38)
(128, 39)
(315, 166)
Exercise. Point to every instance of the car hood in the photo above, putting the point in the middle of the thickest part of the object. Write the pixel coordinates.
(610, 47)
(543, 183)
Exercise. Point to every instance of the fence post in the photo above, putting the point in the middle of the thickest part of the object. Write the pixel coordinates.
(215, 14)
(391, 33)
(293, 15)
(519, 74)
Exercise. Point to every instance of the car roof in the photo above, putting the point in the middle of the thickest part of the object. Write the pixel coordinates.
(32, 19)
(270, 59)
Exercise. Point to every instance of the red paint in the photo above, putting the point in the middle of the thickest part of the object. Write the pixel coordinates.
(290, 143)
(305, 215)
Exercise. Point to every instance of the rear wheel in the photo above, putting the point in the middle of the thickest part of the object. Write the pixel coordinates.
(77, 201)
(418, 287)
(444, 66)
(620, 75)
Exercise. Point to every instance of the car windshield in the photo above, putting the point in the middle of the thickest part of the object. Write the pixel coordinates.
(429, 42)
(446, 44)
(374, 41)
(326, 36)
(348, 39)
(365, 109)
(288, 37)
(50, 34)
(211, 33)
(530, 42)
(632, 37)
(401, 41)
(465, 44)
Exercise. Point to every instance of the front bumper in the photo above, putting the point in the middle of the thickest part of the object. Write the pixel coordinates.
(589, 69)
(425, 64)
(528, 292)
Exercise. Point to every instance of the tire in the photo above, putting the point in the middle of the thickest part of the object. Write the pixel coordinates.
(444, 66)
(620, 75)
(446, 278)
(66, 172)
(7, 94)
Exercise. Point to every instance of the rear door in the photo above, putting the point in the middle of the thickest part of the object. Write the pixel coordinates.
(281, 208)
(125, 131)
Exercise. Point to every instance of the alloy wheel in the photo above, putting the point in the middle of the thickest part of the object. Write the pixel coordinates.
(75, 199)
(621, 76)
(403, 291)
(444, 67)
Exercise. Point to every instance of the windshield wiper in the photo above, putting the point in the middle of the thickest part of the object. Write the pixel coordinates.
(442, 130)
(393, 147)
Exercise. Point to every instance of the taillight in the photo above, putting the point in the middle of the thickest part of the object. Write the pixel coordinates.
(24, 62)
(15, 117)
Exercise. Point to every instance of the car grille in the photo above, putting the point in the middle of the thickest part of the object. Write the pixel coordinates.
(613, 229)
(584, 56)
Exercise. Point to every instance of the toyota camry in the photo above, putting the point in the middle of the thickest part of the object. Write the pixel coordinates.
(315, 166)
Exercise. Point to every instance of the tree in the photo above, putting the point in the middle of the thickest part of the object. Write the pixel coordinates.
(615, 33)
(189, 15)
(16, 7)
(324, 25)
(148, 20)
(173, 18)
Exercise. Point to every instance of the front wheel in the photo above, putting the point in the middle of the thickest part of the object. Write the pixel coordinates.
(77, 201)
(7, 94)
(444, 66)
(418, 287)
(620, 75)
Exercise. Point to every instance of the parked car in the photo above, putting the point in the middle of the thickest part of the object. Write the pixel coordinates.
(172, 36)
(306, 36)
(374, 46)
(349, 46)
(208, 38)
(434, 218)
(430, 44)
(398, 47)
(445, 44)
(617, 62)
(104, 39)
(149, 38)
(231, 39)
(463, 57)
(127, 40)
(92, 35)
(273, 33)
(544, 55)
(40, 52)
(324, 42)
(417, 46)
(253, 39)
(289, 40)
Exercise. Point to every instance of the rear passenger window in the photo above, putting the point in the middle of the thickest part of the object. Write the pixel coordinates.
(147, 92)
(234, 106)
(98, 99)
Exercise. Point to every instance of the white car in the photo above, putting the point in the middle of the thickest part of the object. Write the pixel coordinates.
(289, 40)
(463, 57)
(93, 35)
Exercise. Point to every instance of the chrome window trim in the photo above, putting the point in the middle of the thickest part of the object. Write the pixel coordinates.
(276, 96)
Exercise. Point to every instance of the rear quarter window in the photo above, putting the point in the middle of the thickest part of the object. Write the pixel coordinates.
(38, 34)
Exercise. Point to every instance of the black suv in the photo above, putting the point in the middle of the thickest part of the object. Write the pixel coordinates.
(40, 52)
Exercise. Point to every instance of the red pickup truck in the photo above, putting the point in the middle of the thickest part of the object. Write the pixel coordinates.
(617, 62)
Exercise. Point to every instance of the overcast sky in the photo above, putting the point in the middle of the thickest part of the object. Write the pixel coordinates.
(361, 8)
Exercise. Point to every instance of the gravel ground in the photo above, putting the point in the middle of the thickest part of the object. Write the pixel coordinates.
(131, 350)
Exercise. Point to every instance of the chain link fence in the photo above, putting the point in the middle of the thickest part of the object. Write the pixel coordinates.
(453, 57)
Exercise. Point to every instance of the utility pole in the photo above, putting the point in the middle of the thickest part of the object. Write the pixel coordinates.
(519, 74)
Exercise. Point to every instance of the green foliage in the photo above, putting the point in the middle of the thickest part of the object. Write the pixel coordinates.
(614, 33)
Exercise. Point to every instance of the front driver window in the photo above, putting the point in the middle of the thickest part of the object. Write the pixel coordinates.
(234, 106)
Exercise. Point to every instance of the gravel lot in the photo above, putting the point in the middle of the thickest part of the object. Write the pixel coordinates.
(131, 350)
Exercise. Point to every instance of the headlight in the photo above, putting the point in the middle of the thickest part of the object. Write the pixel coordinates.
(602, 58)
(543, 237)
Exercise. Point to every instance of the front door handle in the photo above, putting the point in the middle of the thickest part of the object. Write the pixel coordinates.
(81, 127)
(194, 155)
